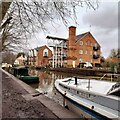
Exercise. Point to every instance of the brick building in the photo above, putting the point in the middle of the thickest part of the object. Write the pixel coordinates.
(79, 49)
(43, 56)
(83, 48)
(39, 56)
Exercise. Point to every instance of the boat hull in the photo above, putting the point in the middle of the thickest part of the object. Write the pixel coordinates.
(83, 111)
(87, 104)
(29, 79)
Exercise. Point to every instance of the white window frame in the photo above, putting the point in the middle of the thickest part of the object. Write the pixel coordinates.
(91, 60)
(45, 51)
(86, 52)
(81, 42)
(95, 53)
(81, 52)
(91, 52)
(80, 60)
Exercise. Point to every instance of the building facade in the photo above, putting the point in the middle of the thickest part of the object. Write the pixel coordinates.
(82, 48)
(39, 56)
(79, 49)
(59, 46)
(43, 56)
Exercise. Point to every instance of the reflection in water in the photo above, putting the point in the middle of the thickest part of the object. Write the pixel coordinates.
(46, 83)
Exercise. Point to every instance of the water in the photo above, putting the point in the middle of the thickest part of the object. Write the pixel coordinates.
(46, 83)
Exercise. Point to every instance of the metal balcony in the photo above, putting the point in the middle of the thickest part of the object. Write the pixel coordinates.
(96, 56)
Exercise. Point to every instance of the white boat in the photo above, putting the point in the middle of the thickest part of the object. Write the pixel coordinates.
(91, 98)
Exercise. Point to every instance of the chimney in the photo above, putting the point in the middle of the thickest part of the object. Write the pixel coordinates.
(71, 52)
(72, 36)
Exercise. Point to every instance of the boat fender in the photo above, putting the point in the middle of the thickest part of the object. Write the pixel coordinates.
(92, 107)
(65, 93)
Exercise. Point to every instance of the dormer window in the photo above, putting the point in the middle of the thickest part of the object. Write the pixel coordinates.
(45, 53)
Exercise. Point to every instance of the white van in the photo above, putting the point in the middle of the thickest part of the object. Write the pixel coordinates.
(88, 65)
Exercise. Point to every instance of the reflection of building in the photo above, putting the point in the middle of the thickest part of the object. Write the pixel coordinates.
(79, 49)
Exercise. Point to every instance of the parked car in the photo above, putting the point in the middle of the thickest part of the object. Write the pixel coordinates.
(85, 65)
(88, 65)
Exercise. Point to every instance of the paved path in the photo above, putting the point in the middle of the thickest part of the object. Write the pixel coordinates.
(19, 100)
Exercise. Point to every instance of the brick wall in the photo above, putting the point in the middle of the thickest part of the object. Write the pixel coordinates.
(41, 59)
(82, 48)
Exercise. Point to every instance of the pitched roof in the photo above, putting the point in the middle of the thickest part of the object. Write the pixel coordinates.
(42, 47)
(80, 36)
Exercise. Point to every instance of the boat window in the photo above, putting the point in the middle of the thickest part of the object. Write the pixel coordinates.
(117, 85)
(115, 90)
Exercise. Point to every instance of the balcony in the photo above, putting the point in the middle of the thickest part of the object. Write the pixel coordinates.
(96, 56)
(64, 56)
(45, 56)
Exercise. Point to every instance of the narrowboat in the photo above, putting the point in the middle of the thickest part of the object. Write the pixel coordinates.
(21, 72)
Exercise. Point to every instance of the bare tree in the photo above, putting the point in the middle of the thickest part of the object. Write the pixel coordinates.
(8, 57)
(28, 16)
(114, 53)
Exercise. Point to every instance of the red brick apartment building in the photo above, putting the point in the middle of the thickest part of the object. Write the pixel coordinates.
(43, 55)
(82, 48)
(40, 56)
(75, 50)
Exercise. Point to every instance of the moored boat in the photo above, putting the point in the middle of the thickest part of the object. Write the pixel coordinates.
(21, 72)
(91, 98)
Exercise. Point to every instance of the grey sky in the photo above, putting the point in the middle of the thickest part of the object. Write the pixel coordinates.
(103, 22)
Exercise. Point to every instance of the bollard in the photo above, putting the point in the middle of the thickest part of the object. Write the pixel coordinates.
(75, 80)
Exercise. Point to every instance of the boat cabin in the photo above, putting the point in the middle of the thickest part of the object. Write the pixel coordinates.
(20, 71)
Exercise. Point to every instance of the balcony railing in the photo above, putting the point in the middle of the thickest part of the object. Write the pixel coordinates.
(96, 56)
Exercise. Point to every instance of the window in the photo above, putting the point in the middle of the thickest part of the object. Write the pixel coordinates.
(80, 60)
(91, 60)
(45, 53)
(81, 42)
(95, 44)
(88, 43)
(95, 53)
(81, 52)
(90, 52)
(85, 51)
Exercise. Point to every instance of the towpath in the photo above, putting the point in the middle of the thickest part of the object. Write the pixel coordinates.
(18, 100)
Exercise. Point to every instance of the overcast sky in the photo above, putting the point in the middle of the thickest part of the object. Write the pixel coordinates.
(103, 22)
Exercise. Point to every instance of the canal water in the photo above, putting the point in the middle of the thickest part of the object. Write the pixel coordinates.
(46, 83)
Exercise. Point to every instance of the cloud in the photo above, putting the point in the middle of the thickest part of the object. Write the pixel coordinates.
(106, 17)
(104, 22)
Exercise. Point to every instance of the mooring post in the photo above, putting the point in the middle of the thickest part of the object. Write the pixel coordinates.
(75, 80)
